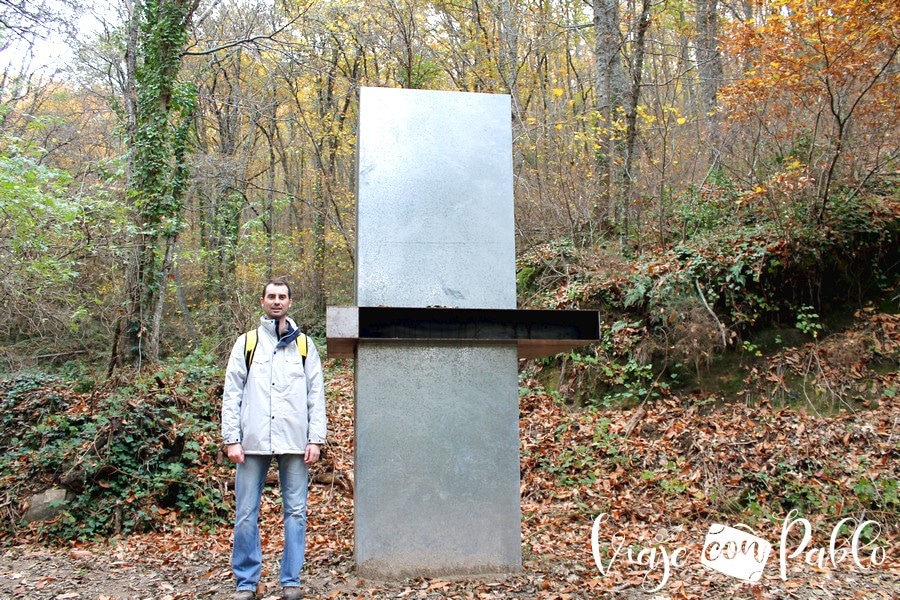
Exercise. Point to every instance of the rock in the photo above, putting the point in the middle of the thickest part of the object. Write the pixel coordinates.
(46, 505)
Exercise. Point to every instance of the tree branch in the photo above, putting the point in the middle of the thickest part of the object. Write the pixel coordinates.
(710, 311)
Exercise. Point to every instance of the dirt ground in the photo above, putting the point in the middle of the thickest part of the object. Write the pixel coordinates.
(136, 569)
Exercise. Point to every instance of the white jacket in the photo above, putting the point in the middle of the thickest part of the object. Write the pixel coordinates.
(279, 407)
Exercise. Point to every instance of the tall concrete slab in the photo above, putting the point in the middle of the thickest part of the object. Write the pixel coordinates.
(437, 444)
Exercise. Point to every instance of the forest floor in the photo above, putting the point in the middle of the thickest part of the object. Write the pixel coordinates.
(657, 479)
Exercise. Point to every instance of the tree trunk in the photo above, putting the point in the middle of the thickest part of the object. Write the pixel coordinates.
(159, 117)
(509, 56)
(318, 269)
(183, 306)
(609, 89)
(127, 342)
(709, 68)
(156, 321)
(631, 109)
(270, 201)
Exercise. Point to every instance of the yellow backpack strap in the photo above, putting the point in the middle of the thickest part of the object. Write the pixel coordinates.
(250, 340)
(302, 346)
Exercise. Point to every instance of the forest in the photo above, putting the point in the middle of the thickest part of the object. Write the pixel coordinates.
(718, 178)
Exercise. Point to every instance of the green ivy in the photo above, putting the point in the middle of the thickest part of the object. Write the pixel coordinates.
(133, 456)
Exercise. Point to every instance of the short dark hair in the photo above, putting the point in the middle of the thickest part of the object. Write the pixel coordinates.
(276, 281)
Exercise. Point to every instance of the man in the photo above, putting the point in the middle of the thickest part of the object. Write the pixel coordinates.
(273, 407)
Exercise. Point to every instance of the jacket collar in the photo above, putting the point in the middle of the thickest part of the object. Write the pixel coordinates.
(268, 325)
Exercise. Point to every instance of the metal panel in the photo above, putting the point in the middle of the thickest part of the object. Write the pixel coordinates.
(437, 460)
(435, 200)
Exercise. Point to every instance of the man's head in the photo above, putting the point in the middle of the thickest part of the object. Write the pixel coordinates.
(278, 281)
(276, 298)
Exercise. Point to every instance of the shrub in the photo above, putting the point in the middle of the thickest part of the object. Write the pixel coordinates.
(136, 458)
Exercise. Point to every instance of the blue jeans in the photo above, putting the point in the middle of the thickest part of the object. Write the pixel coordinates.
(246, 558)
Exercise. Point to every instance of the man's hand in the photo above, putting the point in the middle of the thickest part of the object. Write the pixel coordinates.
(312, 453)
(235, 453)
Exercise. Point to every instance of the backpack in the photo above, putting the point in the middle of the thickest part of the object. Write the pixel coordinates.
(252, 337)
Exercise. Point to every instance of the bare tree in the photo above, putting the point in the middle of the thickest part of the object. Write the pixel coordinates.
(709, 68)
(609, 92)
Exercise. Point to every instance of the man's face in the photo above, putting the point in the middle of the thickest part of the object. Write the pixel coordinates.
(276, 301)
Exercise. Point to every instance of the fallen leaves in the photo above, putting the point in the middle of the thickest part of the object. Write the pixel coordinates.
(662, 472)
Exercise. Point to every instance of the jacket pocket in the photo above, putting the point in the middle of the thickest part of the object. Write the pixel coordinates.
(260, 368)
(293, 366)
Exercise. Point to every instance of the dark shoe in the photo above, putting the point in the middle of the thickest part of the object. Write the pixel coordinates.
(291, 593)
(244, 595)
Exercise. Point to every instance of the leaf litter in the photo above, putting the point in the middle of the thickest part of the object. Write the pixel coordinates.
(658, 476)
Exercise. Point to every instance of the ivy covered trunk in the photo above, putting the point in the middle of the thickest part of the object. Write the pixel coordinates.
(157, 135)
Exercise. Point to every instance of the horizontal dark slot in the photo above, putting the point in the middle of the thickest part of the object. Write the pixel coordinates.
(476, 324)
